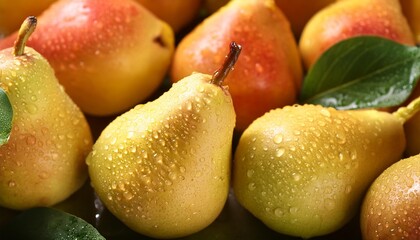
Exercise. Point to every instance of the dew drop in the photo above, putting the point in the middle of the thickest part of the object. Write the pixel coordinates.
(278, 212)
(321, 123)
(348, 189)
(280, 152)
(353, 155)
(189, 106)
(297, 177)
(340, 138)
(109, 197)
(249, 173)
(251, 186)
(128, 196)
(293, 210)
(172, 175)
(11, 183)
(278, 138)
(341, 156)
(325, 112)
(30, 140)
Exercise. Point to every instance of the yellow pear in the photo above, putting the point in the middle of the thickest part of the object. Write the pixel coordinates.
(163, 168)
(303, 169)
(43, 161)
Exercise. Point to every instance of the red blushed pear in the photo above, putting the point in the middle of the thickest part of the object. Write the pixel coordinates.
(108, 55)
(348, 18)
(391, 207)
(268, 74)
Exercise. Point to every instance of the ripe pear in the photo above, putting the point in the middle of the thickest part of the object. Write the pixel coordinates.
(269, 72)
(348, 18)
(109, 55)
(169, 11)
(303, 169)
(163, 168)
(12, 13)
(43, 161)
(391, 207)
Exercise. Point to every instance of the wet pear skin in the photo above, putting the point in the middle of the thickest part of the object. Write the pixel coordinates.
(163, 168)
(43, 162)
(303, 170)
(391, 207)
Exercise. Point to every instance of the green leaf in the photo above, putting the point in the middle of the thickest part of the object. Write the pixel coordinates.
(48, 224)
(6, 117)
(363, 72)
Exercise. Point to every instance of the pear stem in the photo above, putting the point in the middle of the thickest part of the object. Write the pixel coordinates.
(25, 31)
(220, 75)
(405, 113)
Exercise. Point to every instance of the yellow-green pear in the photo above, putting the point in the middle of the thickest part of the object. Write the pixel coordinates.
(391, 207)
(43, 161)
(303, 169)
(163, 168)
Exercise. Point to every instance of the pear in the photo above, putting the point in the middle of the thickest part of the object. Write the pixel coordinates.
(269, 72)
(391, 207)
(163, 168)
(109, 55)
(303, 169)
(43, 161)
(348, 18)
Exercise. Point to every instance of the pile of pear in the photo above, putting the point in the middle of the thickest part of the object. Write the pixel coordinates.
(163, 167)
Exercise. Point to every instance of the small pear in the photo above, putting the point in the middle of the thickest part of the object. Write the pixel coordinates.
(43, 161)
(163, 168)
(303, 169)
(349, 18)
(391, 207)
